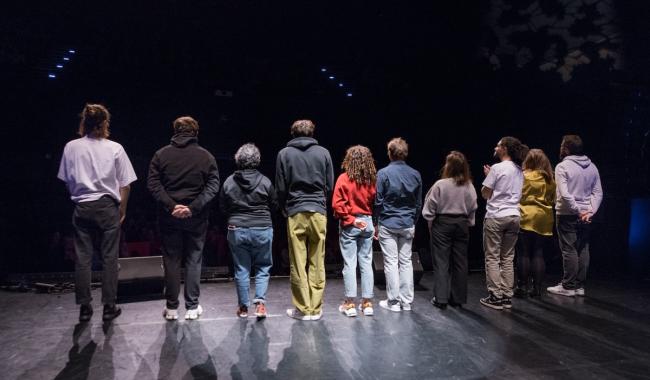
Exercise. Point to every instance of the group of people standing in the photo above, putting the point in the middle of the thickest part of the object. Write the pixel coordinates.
(370, 205)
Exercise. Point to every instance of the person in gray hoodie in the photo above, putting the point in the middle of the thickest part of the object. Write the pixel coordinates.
(304, 179)
(248, 199)
(579, 195)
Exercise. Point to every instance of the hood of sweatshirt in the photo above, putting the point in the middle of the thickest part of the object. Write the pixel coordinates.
(183, 139)
(247, 179)
(582, 161)
(302, 143)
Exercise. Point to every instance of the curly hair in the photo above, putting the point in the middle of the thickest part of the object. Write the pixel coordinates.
(359, 165)
(516, 150)
(248, 157)
(95, 120)
(303, 128)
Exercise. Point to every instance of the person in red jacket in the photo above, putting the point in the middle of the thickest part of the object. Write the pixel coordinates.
(353, 199)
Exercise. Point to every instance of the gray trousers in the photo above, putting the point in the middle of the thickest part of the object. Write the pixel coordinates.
(499, 239)
(398, 267)
(96, 225)
(573, 237)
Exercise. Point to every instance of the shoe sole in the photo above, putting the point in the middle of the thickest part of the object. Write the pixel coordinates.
(389, 308)
(562, 294)
(299, 318)
(491, 306)
(368, 314)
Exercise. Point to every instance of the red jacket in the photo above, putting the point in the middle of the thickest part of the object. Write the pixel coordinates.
(350, 199)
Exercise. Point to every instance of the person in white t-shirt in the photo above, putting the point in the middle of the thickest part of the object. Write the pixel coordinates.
(502, 190)
(98, 174)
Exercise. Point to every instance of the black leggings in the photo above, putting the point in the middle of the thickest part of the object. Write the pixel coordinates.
(530, 253)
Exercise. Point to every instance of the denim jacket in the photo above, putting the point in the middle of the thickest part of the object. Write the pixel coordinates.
(398, 202)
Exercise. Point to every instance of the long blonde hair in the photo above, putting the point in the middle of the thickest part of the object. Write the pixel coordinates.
(537, 160)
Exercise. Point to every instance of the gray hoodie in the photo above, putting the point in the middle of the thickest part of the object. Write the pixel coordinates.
(578, 186)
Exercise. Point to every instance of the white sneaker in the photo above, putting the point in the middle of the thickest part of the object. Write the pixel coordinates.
(580, 292)
(194, 313)
(560, 290)
(366, 308)
(406, 306)
(170, 314)
(392, 307)
(297, 314)
(316, 317)
(348, 309)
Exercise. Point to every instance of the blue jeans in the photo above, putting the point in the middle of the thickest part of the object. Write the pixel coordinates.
(356, 244)
(251, 248)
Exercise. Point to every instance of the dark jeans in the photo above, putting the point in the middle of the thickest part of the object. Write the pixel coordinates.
(573, 237)
(182, 240)
(530, 258)
(96, 225)
(449, 240)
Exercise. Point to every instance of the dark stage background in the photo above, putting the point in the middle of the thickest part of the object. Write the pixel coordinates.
(443, 75)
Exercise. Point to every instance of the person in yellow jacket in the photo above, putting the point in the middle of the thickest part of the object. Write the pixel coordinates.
(536, 206)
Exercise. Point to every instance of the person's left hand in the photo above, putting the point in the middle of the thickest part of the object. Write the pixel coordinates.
(182, 212)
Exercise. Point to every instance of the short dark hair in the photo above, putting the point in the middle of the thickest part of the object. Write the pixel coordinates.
(516, 150)
(95, 120)
(186, 124)
(302, 128)
(398, 149)
(573, 144)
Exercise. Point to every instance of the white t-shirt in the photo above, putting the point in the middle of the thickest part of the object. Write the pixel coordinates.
(506, 181)
(92, 168)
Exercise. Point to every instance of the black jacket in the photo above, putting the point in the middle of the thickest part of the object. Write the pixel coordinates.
(183, 173)
(304, 177)
(248, 198)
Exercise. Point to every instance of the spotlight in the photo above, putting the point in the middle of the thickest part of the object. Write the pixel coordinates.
(71, 51)
(59, 66)
(349, 94)
(340, 84)
(51, 76)
(66, 58)
(323, 69)
(331, 77)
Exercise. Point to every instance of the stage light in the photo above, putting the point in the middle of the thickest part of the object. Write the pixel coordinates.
(340, 84)
(51, 76)
(59, 66)
(71, 51)
(331, 77)
(349, 94)
(66, 58)
(323, 69)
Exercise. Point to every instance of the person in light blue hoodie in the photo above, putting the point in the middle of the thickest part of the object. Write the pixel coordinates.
(579, 195)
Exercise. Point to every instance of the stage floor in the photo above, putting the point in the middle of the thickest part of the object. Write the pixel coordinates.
(605, 335)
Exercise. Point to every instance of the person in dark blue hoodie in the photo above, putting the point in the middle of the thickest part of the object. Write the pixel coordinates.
(183, 178)
(304, 179)
(248, 199)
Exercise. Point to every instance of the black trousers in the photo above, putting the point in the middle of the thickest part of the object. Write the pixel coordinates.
(182, 242)
(96, 225)
(449, 241)
(530, 259)
(573, 236)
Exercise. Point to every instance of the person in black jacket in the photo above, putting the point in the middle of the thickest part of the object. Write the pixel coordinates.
(304, 180)
(183, 178)
(248, 198)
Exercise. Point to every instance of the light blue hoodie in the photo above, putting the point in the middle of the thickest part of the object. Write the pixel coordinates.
(578, 186)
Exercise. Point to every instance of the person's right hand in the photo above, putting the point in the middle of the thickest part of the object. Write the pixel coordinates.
(376, 235)
(486, 169)
(181, 212)
(585, 217)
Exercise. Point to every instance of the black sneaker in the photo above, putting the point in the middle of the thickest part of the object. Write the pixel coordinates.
(439, 305)
(111, 312)
(520, 292)
(85, 312)
(506, 302)
(492, 301)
